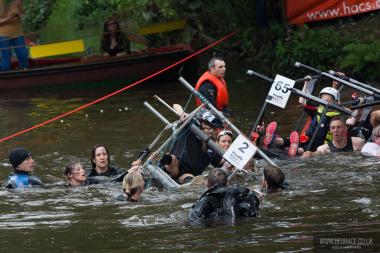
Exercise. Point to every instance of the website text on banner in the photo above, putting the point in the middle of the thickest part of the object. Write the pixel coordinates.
(301, 11)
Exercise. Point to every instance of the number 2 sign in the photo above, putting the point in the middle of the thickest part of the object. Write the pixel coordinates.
(280, 91)
(240, 152)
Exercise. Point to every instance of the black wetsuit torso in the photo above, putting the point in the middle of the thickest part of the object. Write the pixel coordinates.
(112, 171)
(349, 147)
(190, 153)
(362, 129)
(22, 179)
(219, 201)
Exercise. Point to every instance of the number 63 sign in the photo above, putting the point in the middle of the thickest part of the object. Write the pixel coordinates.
(240, 152)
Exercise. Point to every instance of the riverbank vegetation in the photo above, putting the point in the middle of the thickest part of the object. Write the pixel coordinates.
(262, 37)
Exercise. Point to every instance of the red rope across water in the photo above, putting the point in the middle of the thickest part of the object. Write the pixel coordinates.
(116, 92)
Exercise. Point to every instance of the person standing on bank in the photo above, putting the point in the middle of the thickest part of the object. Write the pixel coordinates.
(11, 35)
(213, 86)
(23, 164)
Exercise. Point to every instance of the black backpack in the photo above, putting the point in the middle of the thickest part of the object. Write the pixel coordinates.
(234, 201)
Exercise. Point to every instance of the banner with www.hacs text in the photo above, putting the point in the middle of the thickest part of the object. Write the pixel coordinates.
(304, 11)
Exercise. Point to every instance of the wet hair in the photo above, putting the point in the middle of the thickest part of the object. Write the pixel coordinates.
(69, 169)
(217, 177)
(223, 133)
(275, 178)
(375, 133)
(93, 164)
(339, 118)
(132, 183)
(211, 62)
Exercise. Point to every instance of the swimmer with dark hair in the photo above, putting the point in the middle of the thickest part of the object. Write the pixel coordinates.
(76, 175)
(23, 165)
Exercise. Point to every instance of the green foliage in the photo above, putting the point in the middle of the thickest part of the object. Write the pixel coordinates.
(316, 47)
(362, 59)
(37, 13)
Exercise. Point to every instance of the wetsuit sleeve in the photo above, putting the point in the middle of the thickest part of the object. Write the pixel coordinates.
(216, 160)
(35, 181)
(209, 91)
(11, 185)
(202, 209)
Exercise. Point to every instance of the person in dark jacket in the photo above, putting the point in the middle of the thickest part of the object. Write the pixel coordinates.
(100, 162)
(114, 41)
(23, 164)
(221, 200)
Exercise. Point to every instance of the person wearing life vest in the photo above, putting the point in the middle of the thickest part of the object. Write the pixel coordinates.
(340, 141)
(23, 164)
(323, 136)
(213, 86)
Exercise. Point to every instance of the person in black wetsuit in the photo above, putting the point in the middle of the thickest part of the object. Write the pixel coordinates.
(221, 200)
(100, 162)
(365, 120)
(340, 142)
(76, 175)
(189, 155)
(114, 42)
(23, 164)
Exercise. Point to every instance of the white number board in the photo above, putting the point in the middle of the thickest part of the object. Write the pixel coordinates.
(280, 91)
(208, 116)
(240, 152)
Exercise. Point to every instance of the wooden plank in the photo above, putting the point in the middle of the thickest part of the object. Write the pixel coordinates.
(60, 48)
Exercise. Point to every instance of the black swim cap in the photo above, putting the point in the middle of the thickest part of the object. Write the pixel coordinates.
(18, 155)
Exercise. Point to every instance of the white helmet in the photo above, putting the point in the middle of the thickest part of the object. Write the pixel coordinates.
(331, 91)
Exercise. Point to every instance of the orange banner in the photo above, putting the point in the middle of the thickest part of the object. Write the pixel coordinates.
(303, 11)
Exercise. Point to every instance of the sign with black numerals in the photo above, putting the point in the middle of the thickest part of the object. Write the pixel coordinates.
(240, 152)
(280, 91)
(208, 116)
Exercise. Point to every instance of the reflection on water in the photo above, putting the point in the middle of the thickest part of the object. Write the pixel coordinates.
(331, 193)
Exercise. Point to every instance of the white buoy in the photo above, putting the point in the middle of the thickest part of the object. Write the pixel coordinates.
(61, 120)
(126, 108)
(119, 110)
(101, 111)
(86, 115)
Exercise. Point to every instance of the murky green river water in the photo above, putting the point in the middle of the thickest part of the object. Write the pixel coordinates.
(328, 194)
